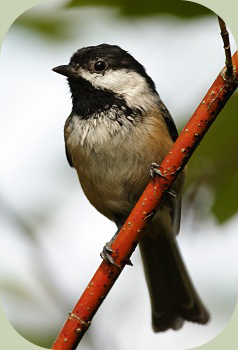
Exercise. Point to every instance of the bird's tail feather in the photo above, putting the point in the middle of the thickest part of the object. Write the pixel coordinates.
(173, 296)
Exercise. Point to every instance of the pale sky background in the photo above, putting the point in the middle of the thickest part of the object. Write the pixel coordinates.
(183, 58)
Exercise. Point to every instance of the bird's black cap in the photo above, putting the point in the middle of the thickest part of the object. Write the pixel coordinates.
(115, 58)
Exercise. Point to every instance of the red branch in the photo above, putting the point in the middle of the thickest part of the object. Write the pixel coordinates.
(124, 245)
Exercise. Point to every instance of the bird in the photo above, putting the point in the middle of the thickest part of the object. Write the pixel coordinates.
(117, 133)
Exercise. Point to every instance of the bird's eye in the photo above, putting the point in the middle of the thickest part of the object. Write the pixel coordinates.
(99, 66)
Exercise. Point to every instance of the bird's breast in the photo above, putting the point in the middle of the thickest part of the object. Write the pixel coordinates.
(112, 158)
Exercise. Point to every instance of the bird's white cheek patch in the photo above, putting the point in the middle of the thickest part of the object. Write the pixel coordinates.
(128, 84)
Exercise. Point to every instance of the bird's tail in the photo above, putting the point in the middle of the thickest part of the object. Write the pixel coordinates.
(172, 294)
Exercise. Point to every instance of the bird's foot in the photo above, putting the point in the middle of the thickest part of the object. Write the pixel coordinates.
(106, 255)
(155, 171)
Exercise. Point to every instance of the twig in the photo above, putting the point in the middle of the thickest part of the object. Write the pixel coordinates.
(226, 42)
(131, 232)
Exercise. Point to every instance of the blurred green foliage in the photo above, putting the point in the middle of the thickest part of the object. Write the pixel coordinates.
(53, 26)
(215, 162)
(179, 8)
(49, 26)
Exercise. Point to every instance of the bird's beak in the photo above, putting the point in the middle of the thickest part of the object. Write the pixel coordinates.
(67, 70)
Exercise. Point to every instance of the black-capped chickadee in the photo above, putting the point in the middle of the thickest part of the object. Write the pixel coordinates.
(117, 128)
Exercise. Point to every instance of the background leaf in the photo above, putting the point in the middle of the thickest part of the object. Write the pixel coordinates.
(179, 8)
(215, 163)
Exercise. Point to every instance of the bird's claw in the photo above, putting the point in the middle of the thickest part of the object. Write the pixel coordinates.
(172, 193)
(154, 170)
(128, 262)
(106, 255)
